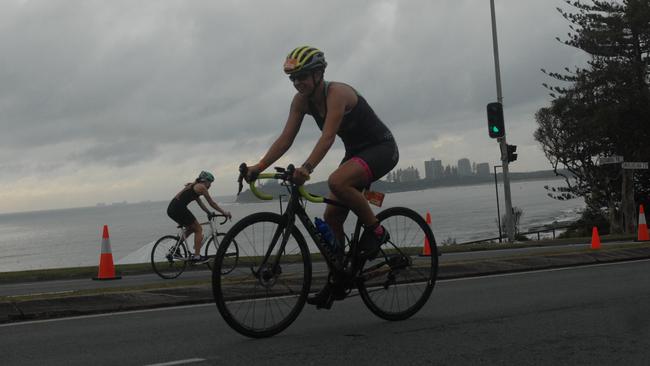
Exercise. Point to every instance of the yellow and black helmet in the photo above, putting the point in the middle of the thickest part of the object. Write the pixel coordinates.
(304, 58)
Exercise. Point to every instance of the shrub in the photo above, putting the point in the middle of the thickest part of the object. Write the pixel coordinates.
(590, 217)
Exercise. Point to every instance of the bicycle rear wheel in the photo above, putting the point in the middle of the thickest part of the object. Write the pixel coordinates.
(211, 248)
(263, 293)
(396, 284)
(169, 257)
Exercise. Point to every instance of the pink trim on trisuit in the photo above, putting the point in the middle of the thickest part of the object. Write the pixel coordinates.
(365, 167)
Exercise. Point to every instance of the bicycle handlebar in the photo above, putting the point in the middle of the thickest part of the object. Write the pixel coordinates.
(282, 174)
(214, 215)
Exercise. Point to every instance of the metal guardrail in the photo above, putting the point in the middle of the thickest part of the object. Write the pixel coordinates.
(552, 229)
(538, 232)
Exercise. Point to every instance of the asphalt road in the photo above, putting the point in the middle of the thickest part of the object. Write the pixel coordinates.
(590, 315)
(61, 286)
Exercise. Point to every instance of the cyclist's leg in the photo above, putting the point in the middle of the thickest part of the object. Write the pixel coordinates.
(346, 183)
(376, 161)
(357, 171)
(185, 217)
(342, 183)
(198, 237)
(335, 217)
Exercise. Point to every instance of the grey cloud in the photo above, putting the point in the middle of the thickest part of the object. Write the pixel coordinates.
(119, 154)
(122, 83)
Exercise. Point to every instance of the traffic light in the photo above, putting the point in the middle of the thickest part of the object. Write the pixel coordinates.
(511, 149)
(496, 128)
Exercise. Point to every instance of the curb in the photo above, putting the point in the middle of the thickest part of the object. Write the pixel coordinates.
(533, 263)
(158, 298)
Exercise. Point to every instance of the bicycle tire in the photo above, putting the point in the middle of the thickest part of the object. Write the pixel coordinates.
(166, 264)
(210, 251)
(260, 301)
(398, 283)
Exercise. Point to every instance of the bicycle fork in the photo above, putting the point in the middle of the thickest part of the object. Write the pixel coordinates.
(269, 269)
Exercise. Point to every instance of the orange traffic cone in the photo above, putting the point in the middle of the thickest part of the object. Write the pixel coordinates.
(642, 234)
(426, 250)
(595, 239)
(106, 267)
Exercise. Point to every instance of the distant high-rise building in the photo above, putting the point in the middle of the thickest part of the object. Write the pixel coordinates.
(433, 169)
(428, 169)
(464, 167)
(483, 169)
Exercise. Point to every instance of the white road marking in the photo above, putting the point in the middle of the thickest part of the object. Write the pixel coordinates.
(43, 293)
(179, 362)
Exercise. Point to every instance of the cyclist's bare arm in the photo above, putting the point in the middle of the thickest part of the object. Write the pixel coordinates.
(202, 205)
(286, 138)
(202, 190)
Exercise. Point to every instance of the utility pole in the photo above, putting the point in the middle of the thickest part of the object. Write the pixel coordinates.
(510, 229)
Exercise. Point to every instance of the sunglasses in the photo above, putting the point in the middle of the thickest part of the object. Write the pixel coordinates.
(299, 76)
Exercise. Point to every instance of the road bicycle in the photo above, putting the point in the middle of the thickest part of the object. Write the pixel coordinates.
(266, 290)
(171, 254)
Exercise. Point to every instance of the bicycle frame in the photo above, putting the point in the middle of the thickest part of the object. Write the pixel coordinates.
(295, 209)
(206, 236)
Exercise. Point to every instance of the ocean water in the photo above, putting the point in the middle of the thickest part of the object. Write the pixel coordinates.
(72, 237)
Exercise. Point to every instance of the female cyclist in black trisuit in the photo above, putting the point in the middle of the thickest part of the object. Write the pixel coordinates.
(178, 211)
(370, 149)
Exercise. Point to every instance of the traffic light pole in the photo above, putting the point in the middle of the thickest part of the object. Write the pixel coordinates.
(510, 228)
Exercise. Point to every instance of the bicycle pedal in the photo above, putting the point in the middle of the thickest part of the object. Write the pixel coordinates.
(327, 304)
(326, 297)
(340, 294)
(398, 262)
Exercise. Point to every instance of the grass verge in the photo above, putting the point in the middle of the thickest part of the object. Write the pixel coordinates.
(143, 268)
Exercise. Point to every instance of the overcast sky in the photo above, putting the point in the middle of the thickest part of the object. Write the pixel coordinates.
(105, 101)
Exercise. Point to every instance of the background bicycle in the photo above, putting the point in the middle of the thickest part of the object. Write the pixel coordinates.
(265, 291)
(170, 255)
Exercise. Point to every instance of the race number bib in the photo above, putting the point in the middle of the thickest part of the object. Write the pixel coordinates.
(375, 198)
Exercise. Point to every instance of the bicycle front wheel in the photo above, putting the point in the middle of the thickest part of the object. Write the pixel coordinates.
(396, 284)
(169, 257)
(211, 248)
(265, 290)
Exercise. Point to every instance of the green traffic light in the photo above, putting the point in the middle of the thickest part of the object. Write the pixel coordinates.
(496, 128)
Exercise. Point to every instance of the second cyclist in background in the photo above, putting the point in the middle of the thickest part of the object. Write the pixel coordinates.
(178, 211)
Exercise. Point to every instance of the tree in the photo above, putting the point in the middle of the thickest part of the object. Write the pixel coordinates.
(602, 109)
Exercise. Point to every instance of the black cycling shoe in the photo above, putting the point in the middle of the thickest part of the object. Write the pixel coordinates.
(327, 295)
(201, 259)
(323, 299)
(371, 243)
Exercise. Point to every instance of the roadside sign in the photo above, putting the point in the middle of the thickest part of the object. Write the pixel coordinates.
(635, 165)
(610, 159)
